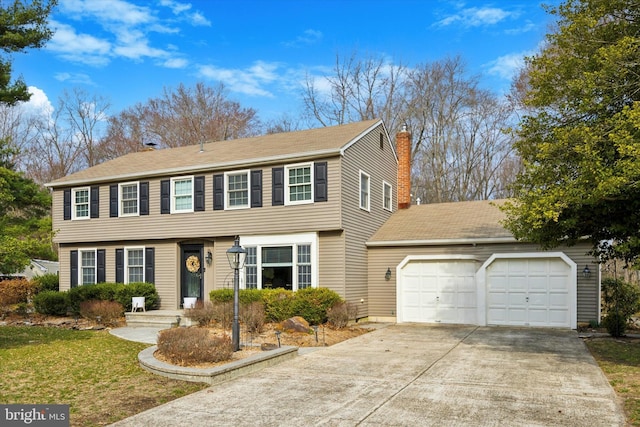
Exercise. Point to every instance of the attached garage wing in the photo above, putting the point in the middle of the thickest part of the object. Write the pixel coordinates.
(438, 291)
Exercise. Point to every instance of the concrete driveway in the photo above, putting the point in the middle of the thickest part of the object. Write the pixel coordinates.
(414, 375)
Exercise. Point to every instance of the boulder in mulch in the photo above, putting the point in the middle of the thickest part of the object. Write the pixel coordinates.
(295, 324)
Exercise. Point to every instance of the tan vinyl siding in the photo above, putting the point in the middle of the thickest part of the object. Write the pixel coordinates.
(360, 225)
(382, 293)
(264, 220)
(331, 271)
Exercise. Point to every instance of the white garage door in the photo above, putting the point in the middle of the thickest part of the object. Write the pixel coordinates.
(529, 292)
(438, 291)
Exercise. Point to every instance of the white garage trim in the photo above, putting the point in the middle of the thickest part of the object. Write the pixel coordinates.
(481, 278)
(401, 286)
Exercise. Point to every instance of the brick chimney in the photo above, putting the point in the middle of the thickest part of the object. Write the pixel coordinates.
(403, 147)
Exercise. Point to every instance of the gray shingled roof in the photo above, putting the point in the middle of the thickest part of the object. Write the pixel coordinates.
(443, 223)
(304, 144)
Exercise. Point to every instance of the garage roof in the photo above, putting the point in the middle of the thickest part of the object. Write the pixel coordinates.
(444, 223)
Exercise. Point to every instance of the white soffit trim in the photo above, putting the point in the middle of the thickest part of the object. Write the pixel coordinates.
(443, 242)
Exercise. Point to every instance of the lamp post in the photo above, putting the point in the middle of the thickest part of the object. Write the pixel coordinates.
(236, 256)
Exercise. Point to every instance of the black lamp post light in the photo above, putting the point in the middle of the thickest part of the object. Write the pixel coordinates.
(236, 256)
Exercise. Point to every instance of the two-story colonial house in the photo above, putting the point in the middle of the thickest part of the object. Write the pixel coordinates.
(302, 203)
(327, 207)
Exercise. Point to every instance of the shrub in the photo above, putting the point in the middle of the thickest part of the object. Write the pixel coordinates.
(47, 282)
(137, 289)
(221, 295)
(108, 311)
(223, 313)
(278, 304)
(340, 313)
(52, 303)
(621, 300)
(15, 291)
(188, 346)
(313, 303)
(253, 316)
(202, 313)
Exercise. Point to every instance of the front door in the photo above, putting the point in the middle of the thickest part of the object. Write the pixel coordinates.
(191, 272)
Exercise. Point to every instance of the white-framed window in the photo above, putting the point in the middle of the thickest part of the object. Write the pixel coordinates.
(87, 271)
(299, 181)
(387, 196)
(134, 265)
(365, 187)
(80, 203)
(182, 194)
(281, 261)
(129, 193)
(237, 190)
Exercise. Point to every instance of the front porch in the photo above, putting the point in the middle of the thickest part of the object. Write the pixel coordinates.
(162, 319)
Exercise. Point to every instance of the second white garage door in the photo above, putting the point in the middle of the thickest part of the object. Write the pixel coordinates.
(529, 292)
(438, 291)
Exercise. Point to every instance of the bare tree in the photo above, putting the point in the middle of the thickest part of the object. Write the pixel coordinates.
(184, 116)
(359, 90)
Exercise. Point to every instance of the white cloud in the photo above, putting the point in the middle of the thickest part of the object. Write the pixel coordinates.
(196, 18)
(38, 104)
(76, 47)
(79, 78)
(176, 63)
(506, 66)
(249, 81)
(476, 17)
(116, 11)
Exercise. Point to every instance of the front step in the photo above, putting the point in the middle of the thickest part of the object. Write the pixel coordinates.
(164, 319)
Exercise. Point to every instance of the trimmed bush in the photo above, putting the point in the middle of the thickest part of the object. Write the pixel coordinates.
(118, 292)
(15, 291)
(223, 313)
(222, 295)
(278, 304)
(51, 303)
(621, 300)
(253, 317)
(340, 313)
(108, 312)
(189, 346)
(47, 282)
(313, 303)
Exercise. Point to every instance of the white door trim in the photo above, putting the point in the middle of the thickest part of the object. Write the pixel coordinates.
(481, 278)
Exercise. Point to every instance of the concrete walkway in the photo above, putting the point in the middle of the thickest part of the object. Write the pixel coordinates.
(410, 375)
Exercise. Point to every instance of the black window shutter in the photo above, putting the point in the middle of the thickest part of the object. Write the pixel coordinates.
(256, 188)
(119, 265)
(149, 265)
(218, 192)
(73, 263)
(94, 208)
(320, 178)
(277, 191)
(67, 203)
(198, 185)
(101, 271)
(165, 196)
(113, 201)
(144, 198)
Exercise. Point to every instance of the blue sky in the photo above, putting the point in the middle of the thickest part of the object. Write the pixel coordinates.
(129, 50)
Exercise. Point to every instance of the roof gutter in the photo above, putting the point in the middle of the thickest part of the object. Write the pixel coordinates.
(300, 157)
(442, 242)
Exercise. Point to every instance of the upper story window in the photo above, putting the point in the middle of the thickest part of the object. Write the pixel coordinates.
(129, 199)
(237, 186)
(364, 191)
(80, 205)
(182, 194)
(387, 196)
(299, 179)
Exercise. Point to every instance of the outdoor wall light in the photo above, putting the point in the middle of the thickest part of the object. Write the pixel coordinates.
(586, 272)
(387, 275)
(209, 258)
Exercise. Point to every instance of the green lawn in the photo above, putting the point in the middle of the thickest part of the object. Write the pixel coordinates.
(619, 359)
(94, 372)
